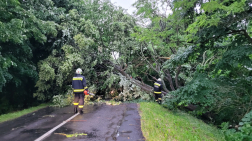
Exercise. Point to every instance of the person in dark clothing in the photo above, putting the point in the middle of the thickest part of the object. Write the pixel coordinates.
(79, 87)
(157, 90)
(138, 78)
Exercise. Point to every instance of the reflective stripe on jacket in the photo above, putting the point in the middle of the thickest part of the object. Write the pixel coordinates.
(79, 83)
(158, 87)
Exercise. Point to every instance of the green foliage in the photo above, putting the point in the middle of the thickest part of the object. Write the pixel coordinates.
(58, 100)
(239, 55)
(112, 79)
(63, 100)
(215, 62)
(181, 56)
(43, 42)
(85, 43)
(24, 27)
(198, 91)
(214, 13)
(113, 102)
(221, 97)
(131, 92)
(244, 131)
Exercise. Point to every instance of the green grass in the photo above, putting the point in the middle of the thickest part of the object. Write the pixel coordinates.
(160, 124)
(10, 116)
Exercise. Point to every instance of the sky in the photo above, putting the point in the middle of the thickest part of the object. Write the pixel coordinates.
(126, 4)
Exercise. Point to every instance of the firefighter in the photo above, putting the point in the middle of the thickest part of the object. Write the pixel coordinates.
(157, 90)
(79, 87)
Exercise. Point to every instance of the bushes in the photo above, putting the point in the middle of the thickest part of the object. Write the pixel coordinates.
(63, 100)
(131, 92)
(226, 99)
(244, 132)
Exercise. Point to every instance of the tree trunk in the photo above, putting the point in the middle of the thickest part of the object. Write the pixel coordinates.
(169, 78)
(143, 86)
(177, 74)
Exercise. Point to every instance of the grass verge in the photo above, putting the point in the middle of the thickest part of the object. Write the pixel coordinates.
(160, 124)
(10, 116)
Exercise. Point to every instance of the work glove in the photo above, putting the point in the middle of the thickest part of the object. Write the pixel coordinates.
(86, 92)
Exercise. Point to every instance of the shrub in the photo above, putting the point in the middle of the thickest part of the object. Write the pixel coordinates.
(63, 100)
(226, 99)
(131, 91)
(244, 132)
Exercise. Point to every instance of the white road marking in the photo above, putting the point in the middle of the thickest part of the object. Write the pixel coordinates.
(55, 128)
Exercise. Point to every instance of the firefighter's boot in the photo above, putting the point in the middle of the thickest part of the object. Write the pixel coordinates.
(75, 110)
(81, 112)
(81, 104)
(75, 107)
(80, 109)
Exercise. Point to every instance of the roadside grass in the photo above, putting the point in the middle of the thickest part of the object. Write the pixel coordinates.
(160, 124)
(10, 116)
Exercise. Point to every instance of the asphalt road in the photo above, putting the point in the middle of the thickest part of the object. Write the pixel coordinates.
(98, 123)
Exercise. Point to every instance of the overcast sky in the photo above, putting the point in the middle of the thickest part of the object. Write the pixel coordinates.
(126, 4)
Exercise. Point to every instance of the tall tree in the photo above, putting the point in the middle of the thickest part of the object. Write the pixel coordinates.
(220, 40)
(92, 32)
(22, 26)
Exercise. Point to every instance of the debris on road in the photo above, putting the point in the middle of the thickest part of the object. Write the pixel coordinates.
(72, 135)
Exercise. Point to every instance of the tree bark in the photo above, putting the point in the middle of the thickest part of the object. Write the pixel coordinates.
(177, 74)
(169, 78)
(143, 86)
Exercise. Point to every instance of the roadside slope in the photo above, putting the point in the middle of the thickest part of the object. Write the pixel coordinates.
(160, 124)
(14, 115)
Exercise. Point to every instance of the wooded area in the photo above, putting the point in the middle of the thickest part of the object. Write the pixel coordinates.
(202, 52)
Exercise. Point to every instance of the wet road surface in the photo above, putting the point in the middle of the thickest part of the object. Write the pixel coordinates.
(131, 125)
(98, 123)
(33, 125)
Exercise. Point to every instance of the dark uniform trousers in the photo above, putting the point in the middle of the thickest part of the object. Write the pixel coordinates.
(79, 85)
(78, 101)
(158, 97)
(157, 91)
